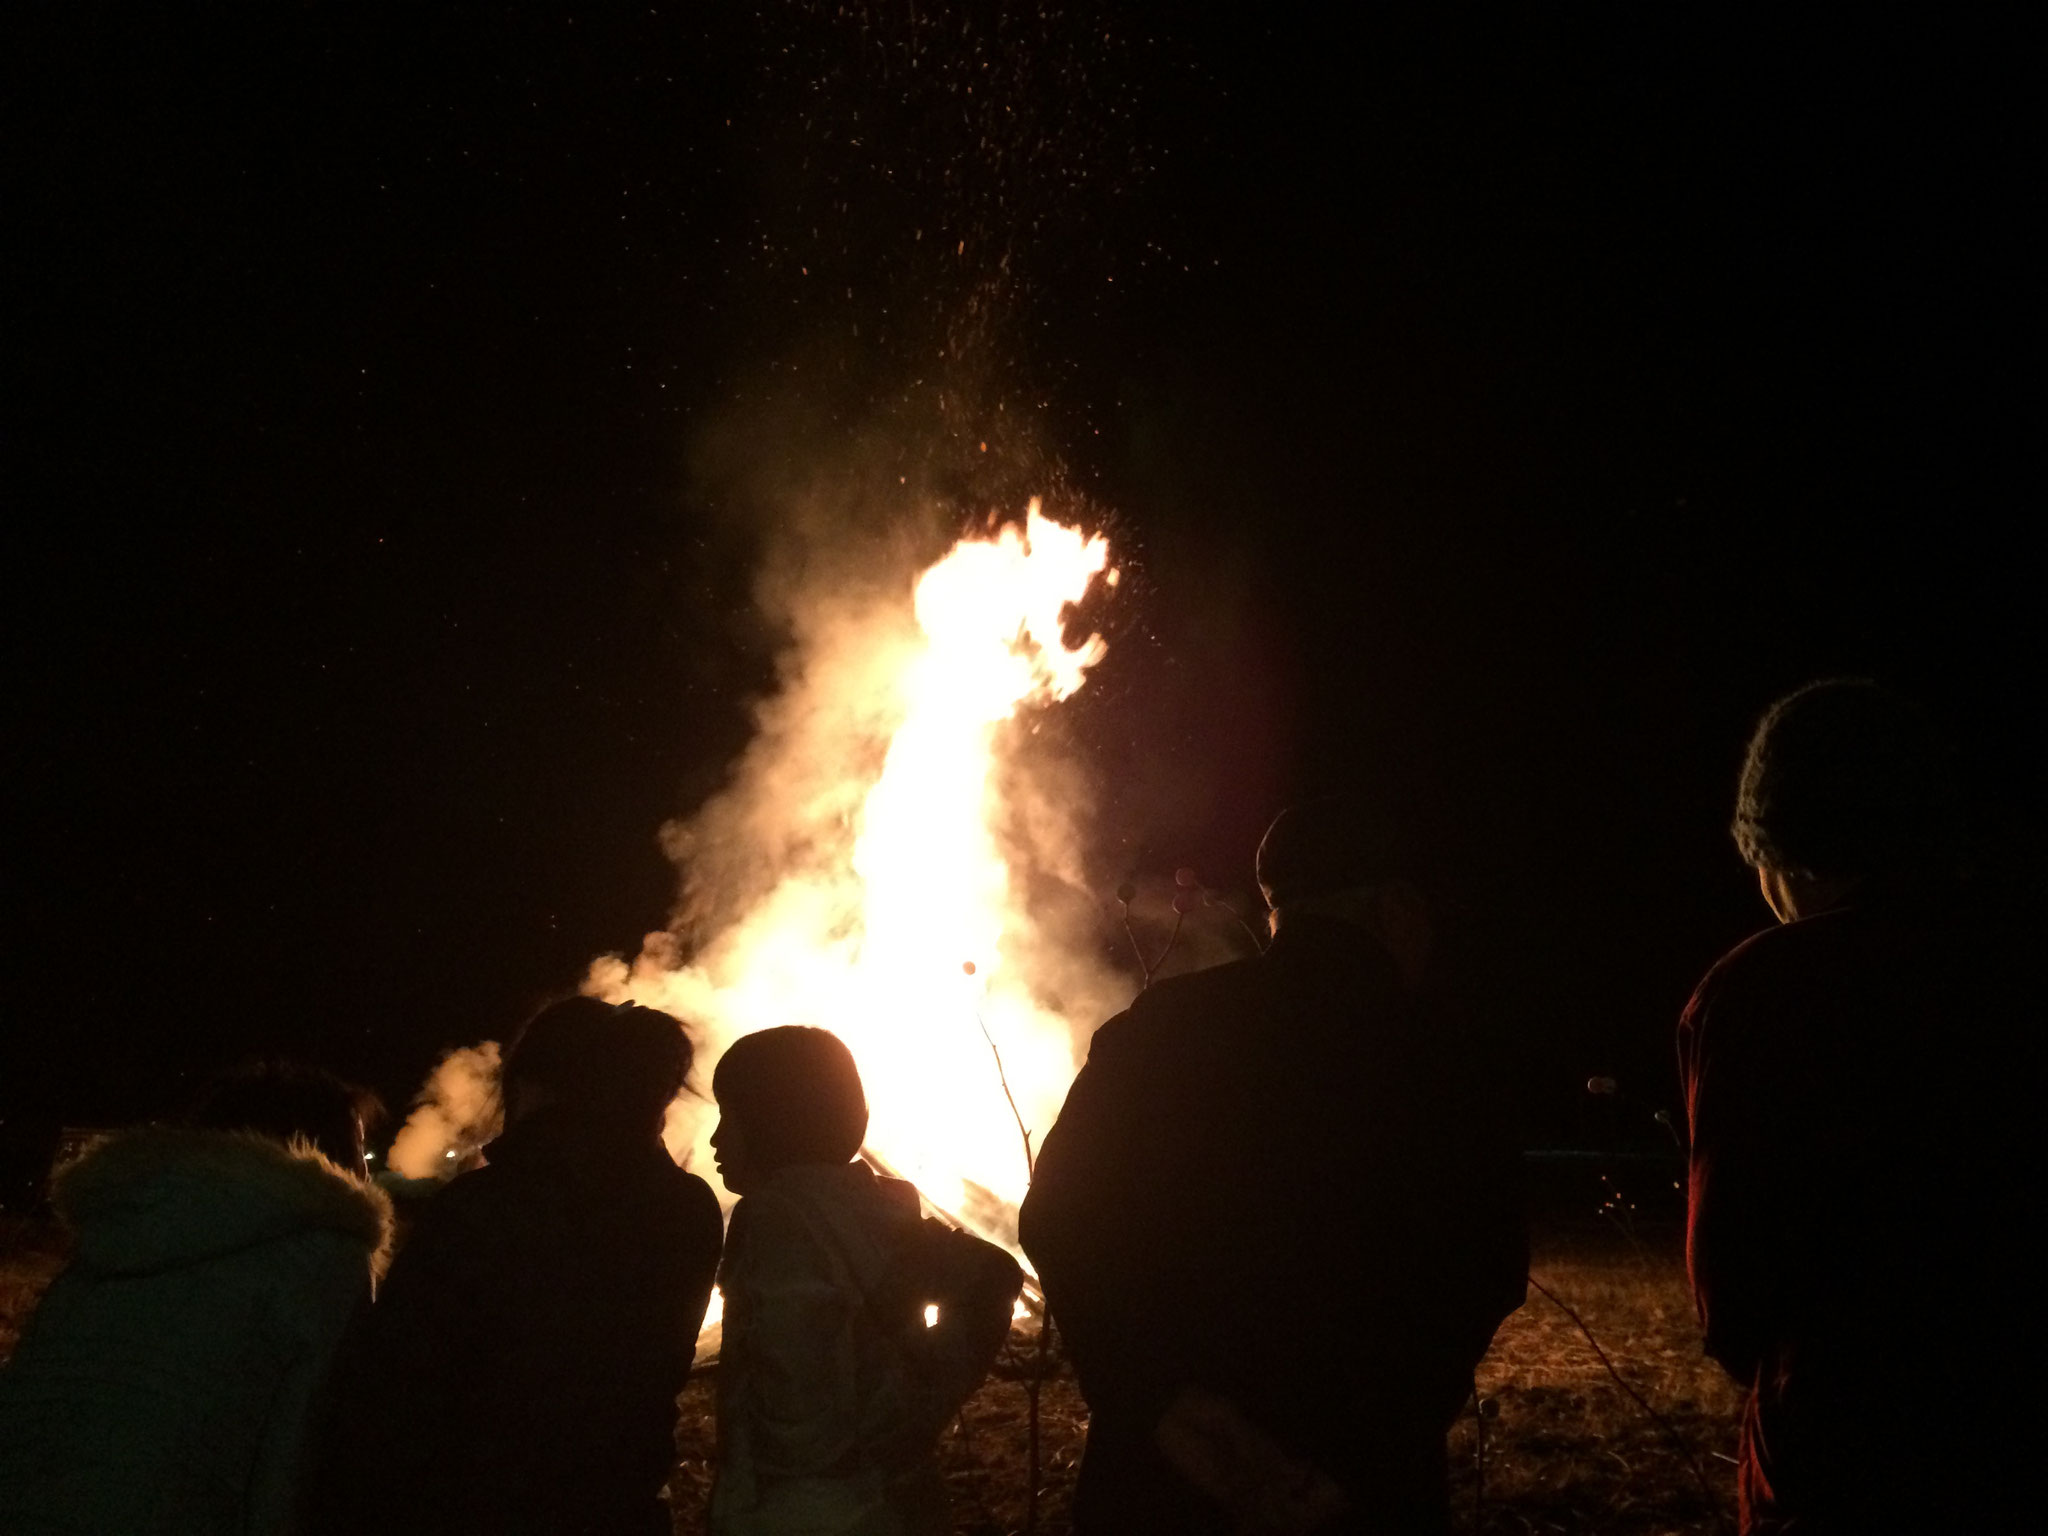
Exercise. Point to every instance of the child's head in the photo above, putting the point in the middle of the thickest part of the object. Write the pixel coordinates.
(786, 1096)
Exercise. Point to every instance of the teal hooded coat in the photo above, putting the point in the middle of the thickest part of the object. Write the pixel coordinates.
(165, 1381)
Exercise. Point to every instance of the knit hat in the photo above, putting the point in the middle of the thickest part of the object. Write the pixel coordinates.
(1844, 778)
(1335, 843)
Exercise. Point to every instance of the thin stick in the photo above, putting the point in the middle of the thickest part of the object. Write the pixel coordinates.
(966, 1429)
(1172, 939)
(1035, 1379)
(1258, 944)
(1149, 969)
(1030, 1163)
(1045, 1338)
(1479, 1458)
(1670, 1429)
(1137, 949)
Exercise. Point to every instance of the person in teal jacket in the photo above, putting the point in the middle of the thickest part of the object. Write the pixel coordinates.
(165, 1381)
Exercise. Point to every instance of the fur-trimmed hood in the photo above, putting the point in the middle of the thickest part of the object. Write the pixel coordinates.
(162, 1197)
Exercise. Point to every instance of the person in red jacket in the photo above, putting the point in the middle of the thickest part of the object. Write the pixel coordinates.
(1858, 1083)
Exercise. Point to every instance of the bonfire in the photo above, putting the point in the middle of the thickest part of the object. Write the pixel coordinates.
(897, 915)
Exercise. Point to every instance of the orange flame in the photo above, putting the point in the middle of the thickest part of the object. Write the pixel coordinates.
(909, 939)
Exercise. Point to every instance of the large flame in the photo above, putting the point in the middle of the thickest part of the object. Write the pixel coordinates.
(909, 939)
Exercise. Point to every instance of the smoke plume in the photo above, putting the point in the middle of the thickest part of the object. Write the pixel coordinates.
(457, 1111)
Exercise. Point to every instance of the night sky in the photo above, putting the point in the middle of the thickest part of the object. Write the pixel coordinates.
(1517, 410)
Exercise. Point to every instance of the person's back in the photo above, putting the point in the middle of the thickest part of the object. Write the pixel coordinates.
(520, 1371)
(832, 1390)
(1859, 1084)
(1274, 1185)
(165, 1381)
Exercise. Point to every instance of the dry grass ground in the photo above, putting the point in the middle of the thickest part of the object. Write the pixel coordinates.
(31, 1253)
(1567, 1450)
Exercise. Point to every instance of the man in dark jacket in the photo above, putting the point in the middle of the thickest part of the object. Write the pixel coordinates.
(1274, 1221)
(1861, 1258)
(519, 1373)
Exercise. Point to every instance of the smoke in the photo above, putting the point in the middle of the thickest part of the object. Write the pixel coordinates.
(773, 922)
(924, 180)
(457, 1110)
(924, 177)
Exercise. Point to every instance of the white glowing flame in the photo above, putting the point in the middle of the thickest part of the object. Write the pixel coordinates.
(905, 943)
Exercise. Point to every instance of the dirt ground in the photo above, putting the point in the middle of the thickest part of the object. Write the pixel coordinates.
(1566, 1449)
(31, 1253)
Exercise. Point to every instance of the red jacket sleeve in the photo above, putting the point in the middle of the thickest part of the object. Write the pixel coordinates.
(1734, 1244)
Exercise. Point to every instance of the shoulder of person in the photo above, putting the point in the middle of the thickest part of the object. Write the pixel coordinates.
(159, 1194)
(1757, 967)
(1164, 1010)
(322, 1280)
(673, 1210)
(1739, 969)
(696, 1206)
(773, 1215)
(470, 1197)
(985, 1266)
(776, 1239)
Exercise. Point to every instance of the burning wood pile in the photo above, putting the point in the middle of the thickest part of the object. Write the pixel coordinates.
(867, 869)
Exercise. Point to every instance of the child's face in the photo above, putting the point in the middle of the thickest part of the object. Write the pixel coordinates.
(729, 1155)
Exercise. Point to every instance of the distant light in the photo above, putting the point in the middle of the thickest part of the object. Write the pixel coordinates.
(931, 1317)
(447, 1154)
(369, 1157)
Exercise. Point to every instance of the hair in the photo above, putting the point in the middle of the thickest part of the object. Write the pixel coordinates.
(796, 1094)
(596, 1061)
(1844, 778)
(290, 1101)
(1336, 843)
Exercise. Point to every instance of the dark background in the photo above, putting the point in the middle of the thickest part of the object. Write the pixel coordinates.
(1524, 407)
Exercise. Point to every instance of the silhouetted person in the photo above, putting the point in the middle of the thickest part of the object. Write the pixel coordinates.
(165, 1381)
(1275, 1220)
(832, 1391)
(1862, 1084)
(519, 1373)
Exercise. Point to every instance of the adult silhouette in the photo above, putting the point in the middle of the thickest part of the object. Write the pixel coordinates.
(518, 1374)
(1275, 1220)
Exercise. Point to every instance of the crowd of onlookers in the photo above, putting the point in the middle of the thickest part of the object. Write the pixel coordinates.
(234, 1347)
(1275, 1222)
